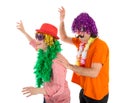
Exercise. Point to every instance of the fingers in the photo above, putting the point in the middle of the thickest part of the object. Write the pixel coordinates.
(61, 10)
(20, 21)
(60, 56)
(27, 91)
(18, 24)
(28, 94)
(28, 87)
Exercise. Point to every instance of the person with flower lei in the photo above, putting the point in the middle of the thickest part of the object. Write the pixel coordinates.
(91, 70)
(50, 75)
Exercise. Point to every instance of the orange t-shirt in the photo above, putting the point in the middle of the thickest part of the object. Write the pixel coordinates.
(98, 87)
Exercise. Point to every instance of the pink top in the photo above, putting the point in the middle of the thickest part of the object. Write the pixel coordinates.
(57, 89)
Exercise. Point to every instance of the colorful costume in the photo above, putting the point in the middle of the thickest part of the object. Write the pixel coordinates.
(50, 74)
(91, 70)
(95, 88)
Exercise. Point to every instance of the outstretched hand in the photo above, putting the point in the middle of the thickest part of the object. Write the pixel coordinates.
(29, 91)
(20, 26)
(62, 13)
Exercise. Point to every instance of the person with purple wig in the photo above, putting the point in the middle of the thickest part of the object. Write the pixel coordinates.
(91, 69)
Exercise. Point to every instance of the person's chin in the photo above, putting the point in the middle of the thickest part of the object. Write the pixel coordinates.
(38, 47)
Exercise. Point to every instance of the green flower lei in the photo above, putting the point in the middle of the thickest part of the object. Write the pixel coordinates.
(43, 66)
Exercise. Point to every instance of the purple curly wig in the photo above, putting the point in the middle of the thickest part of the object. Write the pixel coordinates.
(85, 23)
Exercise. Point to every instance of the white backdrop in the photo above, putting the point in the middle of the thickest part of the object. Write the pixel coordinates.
(17, 58)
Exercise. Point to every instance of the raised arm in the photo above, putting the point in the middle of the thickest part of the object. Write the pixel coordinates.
(62, 31)
(21, 28)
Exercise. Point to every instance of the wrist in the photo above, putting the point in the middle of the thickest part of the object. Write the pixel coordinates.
(43, 91)
(62, 22)
(69, 66)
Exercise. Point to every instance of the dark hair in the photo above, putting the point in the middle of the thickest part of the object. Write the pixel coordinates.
(84, 21)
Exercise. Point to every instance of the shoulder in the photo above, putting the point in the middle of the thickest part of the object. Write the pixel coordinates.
(101, 43)
(56, 60)
(59, 55)
(57, 66)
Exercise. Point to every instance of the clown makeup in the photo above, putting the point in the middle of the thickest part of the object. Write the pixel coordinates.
(39, 36)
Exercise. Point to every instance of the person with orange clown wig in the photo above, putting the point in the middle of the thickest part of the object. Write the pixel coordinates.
(50, 75)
